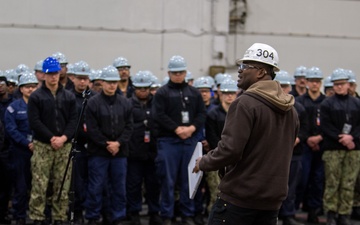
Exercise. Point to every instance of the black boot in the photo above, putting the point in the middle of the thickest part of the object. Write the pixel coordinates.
(344, 220)
(331, 218)
(135, 219)
(313, 215)
(187, 220)
(155, 219)
(355, 215)
(199, 219)
(39, 222)
(4, 219)
(20, 221)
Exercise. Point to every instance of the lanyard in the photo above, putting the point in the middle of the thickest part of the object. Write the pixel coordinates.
(182, 99)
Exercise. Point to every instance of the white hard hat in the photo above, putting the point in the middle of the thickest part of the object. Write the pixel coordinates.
(327, 82)
(121, 62)
(38, 65)
(70, 68)
(155, 83)
(228, 85)
(300, 71)
(283, 77)
(177, 63)
(188, 76)
(11, 76)
(203, 82)
(22, 68)
(27, 78)
(110, 73)
(339, 74)
(314, 72)
(81, 68)
(95, 75)
(165, 81)
(143, 78)
(61, 58)
(352, 77)
(261, 53)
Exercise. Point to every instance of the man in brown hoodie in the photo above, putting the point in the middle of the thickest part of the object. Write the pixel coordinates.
(256, 145)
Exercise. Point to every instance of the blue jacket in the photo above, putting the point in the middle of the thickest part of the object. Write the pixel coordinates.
(17, 124)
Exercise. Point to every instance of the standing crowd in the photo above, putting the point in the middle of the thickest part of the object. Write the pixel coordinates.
(132, 137)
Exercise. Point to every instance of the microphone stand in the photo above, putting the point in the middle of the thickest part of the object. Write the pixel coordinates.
(72, 159)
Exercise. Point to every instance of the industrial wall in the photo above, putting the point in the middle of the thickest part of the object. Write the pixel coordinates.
(322, 33)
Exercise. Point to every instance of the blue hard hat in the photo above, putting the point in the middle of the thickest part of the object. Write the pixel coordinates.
(51, 65)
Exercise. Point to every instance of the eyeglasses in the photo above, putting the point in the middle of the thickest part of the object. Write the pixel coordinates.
(178, 72)
(339, 84)
(205, 91)
(123, 68)
(82, 77)
(30, 86)
(111, 82)
(247, 66)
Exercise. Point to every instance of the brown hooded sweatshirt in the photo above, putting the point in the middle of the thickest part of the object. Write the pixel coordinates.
(256, 147)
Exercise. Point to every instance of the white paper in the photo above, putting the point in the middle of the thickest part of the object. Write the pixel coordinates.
(194, 178)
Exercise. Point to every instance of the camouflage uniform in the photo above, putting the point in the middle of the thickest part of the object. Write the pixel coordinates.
(213, 181)
(341, 170)
(357, 192)
(44, 160)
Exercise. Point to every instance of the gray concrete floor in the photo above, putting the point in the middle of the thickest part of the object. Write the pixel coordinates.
(301, 217)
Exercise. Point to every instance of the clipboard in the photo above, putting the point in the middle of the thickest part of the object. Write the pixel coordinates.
(194, 178)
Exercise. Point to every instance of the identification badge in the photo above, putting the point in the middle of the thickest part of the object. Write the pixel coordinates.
(346, 128)
(29, 137)
(185, 117)
(147, 136)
